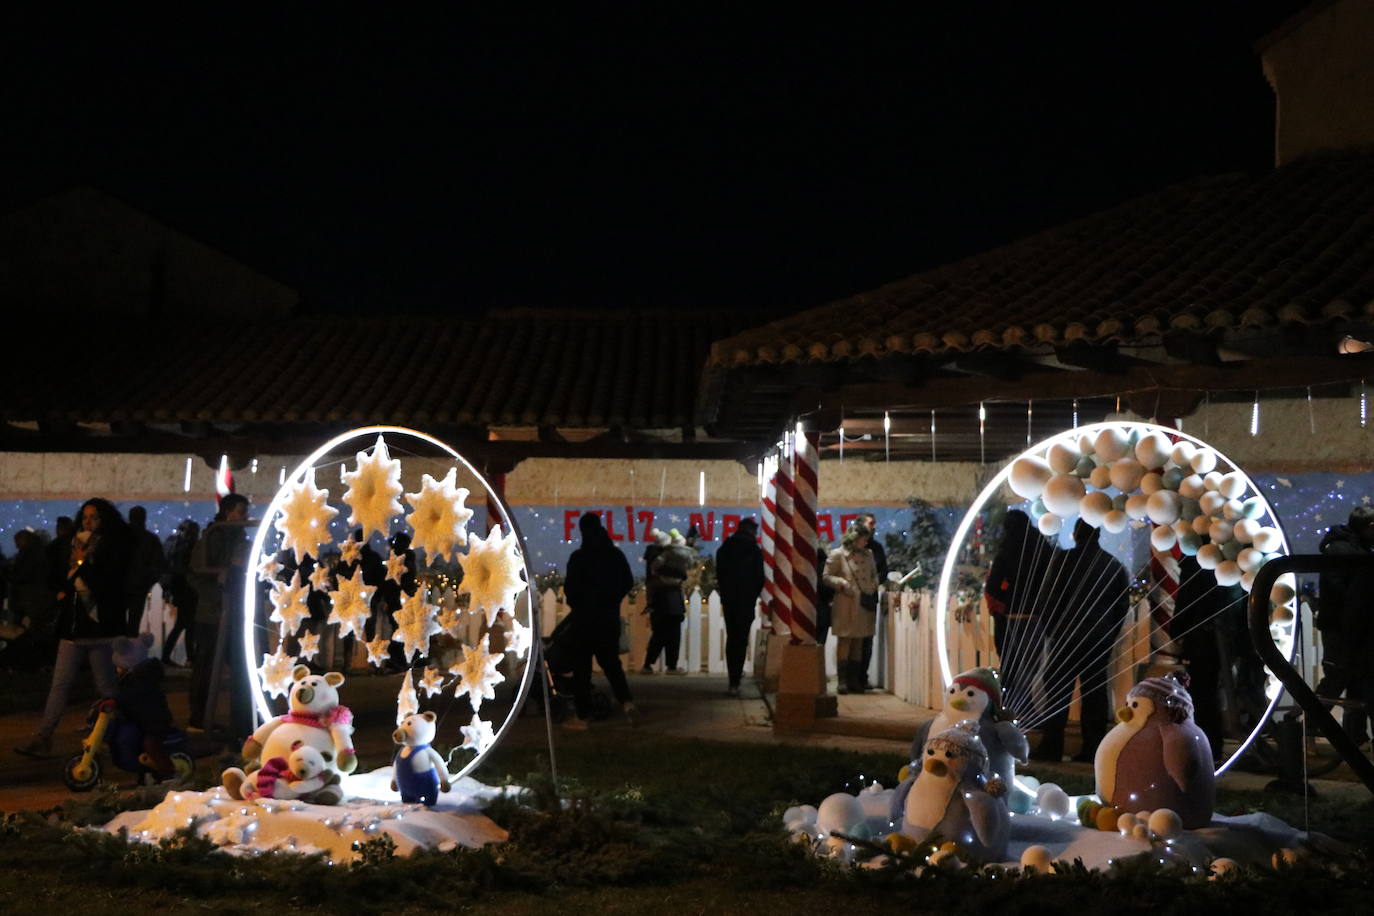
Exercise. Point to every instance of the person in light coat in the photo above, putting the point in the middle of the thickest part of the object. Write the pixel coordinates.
(851, 572)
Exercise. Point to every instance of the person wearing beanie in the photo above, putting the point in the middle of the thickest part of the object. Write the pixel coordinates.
(739, 578)
(668, 607)
(144, 718)
(598, 579)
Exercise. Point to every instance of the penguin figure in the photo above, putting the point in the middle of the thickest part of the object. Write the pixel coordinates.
(953, 798)
(1156, 756)
(976, 695)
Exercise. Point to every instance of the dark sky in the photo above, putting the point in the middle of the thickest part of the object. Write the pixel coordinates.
(599, 157)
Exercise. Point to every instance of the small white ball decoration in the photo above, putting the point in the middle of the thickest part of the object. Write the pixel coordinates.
(1115, 521)
(1050, 524)
(1244, 530)
(1037, 859)
(1063, 457)
(1211, 503)
(1153, 450)
(1190, 543)
(1203, 460)
(1250, 560)
(1282, 613)
(1163, 538)
(1212, 481)
(1029, 475)
(1111, 444)
(1220, 531)
(1126, 823)
(1084, 467)
(1232, 486)
(1227, 573)
(1085, 444)
(1252, 507)
(1209, 556)
(1247, 581)
(1166, 824)
(1125, 474)
(1094, 506)
(1053, 801)
(1140, 831)
(1231, 509)
(1136, 505)
(1181, 527)
(1162, 507)
(1267, 539)
(838, 811)
(1282, 593)
(1201, 524)
(1191, 487)
(1151, 483)
(1101, 477)
(1062, 495)
(1182, 454)
(1222, 868)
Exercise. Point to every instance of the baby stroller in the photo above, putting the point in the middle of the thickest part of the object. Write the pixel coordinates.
(82, 772)
(560, 652)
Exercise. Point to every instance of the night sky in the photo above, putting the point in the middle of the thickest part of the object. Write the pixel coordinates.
(601, 158)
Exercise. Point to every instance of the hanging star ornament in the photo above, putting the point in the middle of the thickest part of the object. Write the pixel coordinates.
(268, 567)
(519, 638)
(432, 682)
(451, 621)
(395, 567)
(352, 604)
(275, 672)
(378, 651)
(305, 517)
(350, 552)
(415, 624)
(477, 674)
(478, 734)
(288, 604)
(492, 573)
(439, 516)
(373, 490)
(310, 645)
(319, 579)
(407, 701)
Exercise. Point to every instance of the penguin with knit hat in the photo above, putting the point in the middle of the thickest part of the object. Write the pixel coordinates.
(952, 797)
(1156, 756)
(976, 695)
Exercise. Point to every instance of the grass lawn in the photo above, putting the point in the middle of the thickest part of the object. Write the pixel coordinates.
(653, 824)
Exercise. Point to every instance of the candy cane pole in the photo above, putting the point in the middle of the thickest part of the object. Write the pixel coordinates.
(804, 538)
(769, 513)
(782, 543)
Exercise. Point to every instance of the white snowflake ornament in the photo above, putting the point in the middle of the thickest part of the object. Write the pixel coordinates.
(415, 624)
(305, 517)
(395, 567)
(492, 573)
(288, 604)
(439, 516)
(268, 567)
(477, 674)
(478, 734)
(319, 579)
(519, 637)
(275, 672)
(310, 645)
(378, 651)
(432, 682)
(407, 701)
(373, 490)
(451, 621)
(352, 604)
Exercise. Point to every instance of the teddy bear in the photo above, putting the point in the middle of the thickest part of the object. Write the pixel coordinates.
(417, 769)
(315, 719)
(305, 774)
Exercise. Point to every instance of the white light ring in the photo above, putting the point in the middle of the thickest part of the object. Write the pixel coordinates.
(250, 588)
(1071, 436)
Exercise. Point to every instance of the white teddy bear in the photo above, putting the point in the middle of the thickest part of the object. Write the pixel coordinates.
(417, 770)
(304, 774)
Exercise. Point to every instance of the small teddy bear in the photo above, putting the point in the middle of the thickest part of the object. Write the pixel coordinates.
(417, 769)
(306, 773)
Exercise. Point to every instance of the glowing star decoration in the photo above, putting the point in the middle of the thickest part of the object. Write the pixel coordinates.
(395, 567)
(378, 651)
(352, 604)
(310, 645)
(477, 674)
(415, 624)
(438, 515)
(350, 552)
(288, 604)
(478, 734)
(432, 682)
(492, 573)
(319, 579)
(407, 701)
(373, 490)
(275, 672)
(305, 517)
(518, 639)
(451, 621)
(268, 568)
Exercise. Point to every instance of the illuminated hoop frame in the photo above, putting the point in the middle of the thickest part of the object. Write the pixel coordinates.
(250, 591)
(1071, 437)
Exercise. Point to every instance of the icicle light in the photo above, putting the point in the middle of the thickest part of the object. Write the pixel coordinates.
(1364, 405)
(982, 433)
(887, 436)
(1030, 412)
(701, 488)
(1311, 415)
(1075, 413)
(1254, 416)
(186, 482)
(932, 435)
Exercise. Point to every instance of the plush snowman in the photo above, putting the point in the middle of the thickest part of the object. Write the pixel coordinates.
(417, 770)
(976, 696)
(952, 797)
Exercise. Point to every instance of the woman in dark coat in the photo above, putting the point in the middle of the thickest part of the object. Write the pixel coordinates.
(598, 580)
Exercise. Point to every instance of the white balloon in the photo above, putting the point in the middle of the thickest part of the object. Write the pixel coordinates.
(1029, 475)
(1085, 444)
(1115, 521)
(1244, 530)
(1052, 801)
(1062, 494)
(1220, 531)
(1202, 524)
(1204, 460)
(1166, 824)
(1063, 457)
(1151, 483)
(1101, 477)
(1211, 503)
(1249, 560)
(1182, 454)
(1230, 510)
(1247, 581)
(1050, 524)
(1232, 486)
(1153, 450)
(1182, 527)
(1191, 487)
(1212, 481)
(1267, 539)
(1135, 505)
(1126, 473)
(1227, 573)
(1111, 444)
(1162, 507)
(1209, 556)
(1094, 507)
(1163, 538)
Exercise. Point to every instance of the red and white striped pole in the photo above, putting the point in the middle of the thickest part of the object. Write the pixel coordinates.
(804, 536)
(782, 541)
(768, 489)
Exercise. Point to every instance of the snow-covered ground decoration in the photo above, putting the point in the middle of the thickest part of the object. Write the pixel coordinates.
(295, 530)
(337, 831)
(1118, 475)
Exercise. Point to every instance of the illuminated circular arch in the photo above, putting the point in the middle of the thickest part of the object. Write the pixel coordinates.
(250, 591)
(993, 486)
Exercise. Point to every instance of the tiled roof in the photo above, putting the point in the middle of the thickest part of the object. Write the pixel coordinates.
(637, 370)
(1241, 251)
